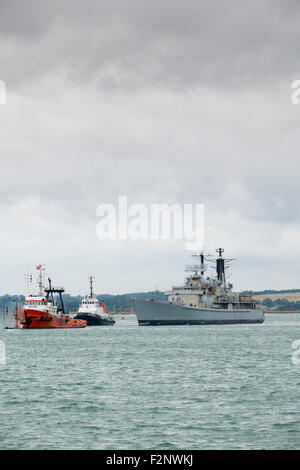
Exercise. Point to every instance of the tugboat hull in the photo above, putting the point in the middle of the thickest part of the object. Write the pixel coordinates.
(94, 320)
(40, 319)
(164, 313)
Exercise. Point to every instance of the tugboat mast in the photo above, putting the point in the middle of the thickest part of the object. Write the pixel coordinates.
(56, 290)
(91, 286)
(41, 288)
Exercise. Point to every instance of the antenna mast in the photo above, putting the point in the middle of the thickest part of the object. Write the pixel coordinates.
(91, 284)
(28, 281)
(221, 265)
(41, 289)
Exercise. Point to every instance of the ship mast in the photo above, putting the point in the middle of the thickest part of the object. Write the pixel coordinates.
(221, 265)
(202, 266)
(91, 286)
(41, 288)
(56, 290)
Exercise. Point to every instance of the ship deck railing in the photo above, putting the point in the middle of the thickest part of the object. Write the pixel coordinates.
(185, 288)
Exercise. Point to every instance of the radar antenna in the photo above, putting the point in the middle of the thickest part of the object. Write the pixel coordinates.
(200, 266)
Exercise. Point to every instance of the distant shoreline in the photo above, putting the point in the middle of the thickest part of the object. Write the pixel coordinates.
(281, 311)
(122, 313)
(269, 312)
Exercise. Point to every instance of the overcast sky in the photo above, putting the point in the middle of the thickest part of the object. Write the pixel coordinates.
(164, 101)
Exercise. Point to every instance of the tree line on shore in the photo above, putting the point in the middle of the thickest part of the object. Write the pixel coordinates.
(114, 303)
(122, 302)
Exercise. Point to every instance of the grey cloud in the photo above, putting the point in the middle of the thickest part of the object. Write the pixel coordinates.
(162, 101)
(135, 44)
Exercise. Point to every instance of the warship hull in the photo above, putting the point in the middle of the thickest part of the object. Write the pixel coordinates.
(164, 313)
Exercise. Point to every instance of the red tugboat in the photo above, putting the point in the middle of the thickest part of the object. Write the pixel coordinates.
(41, 311)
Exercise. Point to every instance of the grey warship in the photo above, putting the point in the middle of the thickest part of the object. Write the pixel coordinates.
(201, 300)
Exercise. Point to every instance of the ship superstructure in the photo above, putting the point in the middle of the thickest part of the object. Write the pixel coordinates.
(201, 300)
(91, 311)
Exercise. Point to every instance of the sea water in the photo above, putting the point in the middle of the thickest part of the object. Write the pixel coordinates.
(167, 387)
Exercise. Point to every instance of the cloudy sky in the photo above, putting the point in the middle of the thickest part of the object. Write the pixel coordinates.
(165, 101)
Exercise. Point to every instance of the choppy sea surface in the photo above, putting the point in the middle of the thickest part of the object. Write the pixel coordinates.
(131, 387)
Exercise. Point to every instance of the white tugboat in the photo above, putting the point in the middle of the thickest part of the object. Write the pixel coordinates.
(91, 310)
(201, 300)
